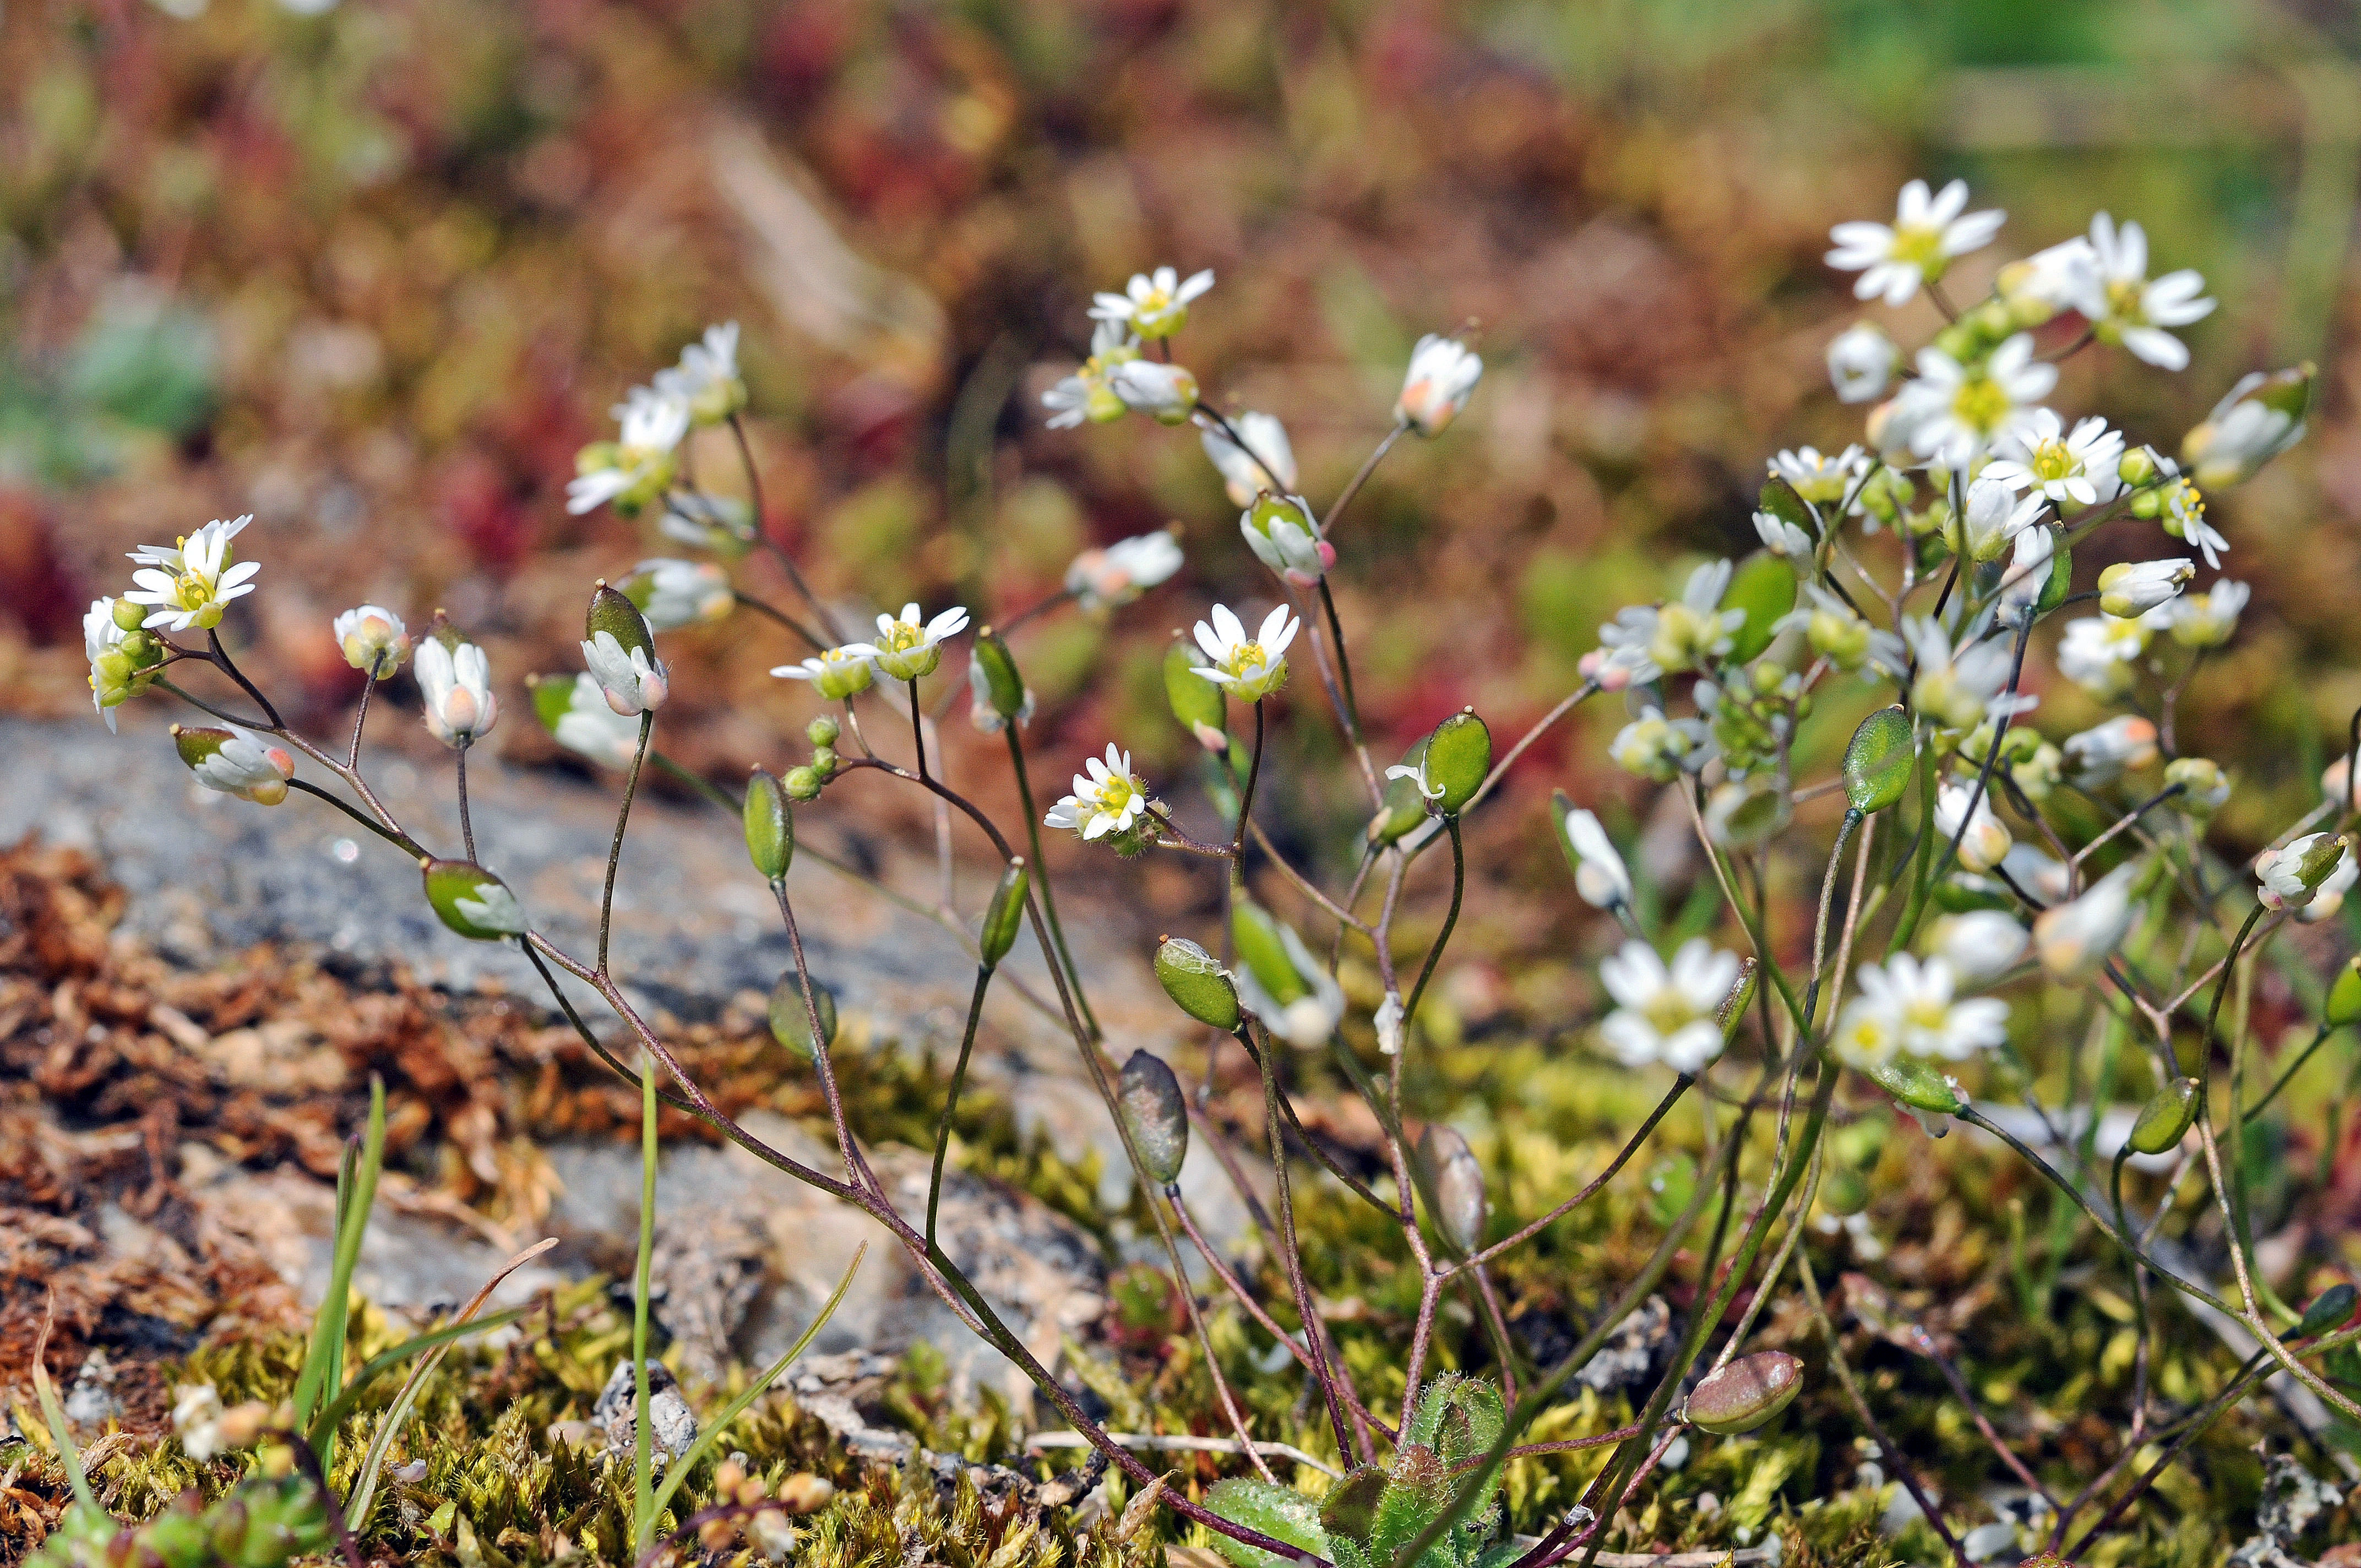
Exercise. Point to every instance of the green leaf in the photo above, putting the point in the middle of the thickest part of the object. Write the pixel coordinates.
(1416, 1497)
(1280, 1512)
(324, 1361)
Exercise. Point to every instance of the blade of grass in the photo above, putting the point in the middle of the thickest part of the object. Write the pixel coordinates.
(385, 1361)
(323, 1362)
(53, 1414)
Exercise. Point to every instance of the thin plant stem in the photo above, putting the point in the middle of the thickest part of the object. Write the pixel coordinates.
(615, 849)
(228, 666)
(468, 827)
(643, 1524)
(399, 840)
(1450, 920)
(951, 1099)
(1361, 476)
(1048, 898)
(778, 553)
(773, 613)
(1291, 1247)
(377, 662)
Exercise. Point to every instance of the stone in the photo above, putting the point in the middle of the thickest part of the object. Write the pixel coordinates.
(669, 1417)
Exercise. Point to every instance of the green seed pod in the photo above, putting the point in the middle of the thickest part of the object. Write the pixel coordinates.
(1004, 915)
(2343, 997)
(1781, 499)
(790, 1021)
(553, 698)
(1746, 1393)
(1458, 755)
(1000, 683)
(1919, 1086)
(2060, 582)
(1404, 808)
(1460, 1208)
(1280, 1512)
(471, 900)
(1196, 702)
(2328, 1311)
(1844, 1190)
(1156, 1113)
(770, 825)
(612, 612)
(1734, 1006)
(1197, 985)
(1877, 764)
(822, 732)
(2166, 1117)
(1263, 952)
(1764, 587)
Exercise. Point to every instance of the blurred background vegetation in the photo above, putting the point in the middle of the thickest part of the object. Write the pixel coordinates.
(374, 272)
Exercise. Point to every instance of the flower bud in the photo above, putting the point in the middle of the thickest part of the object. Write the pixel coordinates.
(2137, 468)
(1451, 1169)
(2075, 938)
(471, 900)
(791, 1019)
(801, 784)
(1003, 916)
(2132, 588)
(1878, 761)
(1166, 393)
(2099, 756)
(2165, 1117)
(1860, 363)
(769, 826)
(126, 616)
(372, 638)
(824, 762)
(1285, 537)
(2204, 788)
(1458, 755)
(1746, 1393)
(1441, 379)
(1983, 842)
(822, 732)
(672, 593)
(1157, 1113)
(620, 652)
(1197, 985)
(2292, 874)
(236, 761)
(1599, 874)
(2260, 417)
(998, 691)
(1195, 701)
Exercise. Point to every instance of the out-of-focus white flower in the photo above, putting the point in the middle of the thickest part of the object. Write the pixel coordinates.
(1860, 363)
(1958, 687)
(1654, 747)
(1285, 536)
(1249, 668)
(672, 593)
(1103, 578)
(1958, 413)
(2099, 756)
(2100, 653)
(2046, 281)
(1748, 812)
(2204, 787)
(2180, 506)
(1985, 842)
(2038, 874)
(1107, 798)
(723, 524)
(707, 377)
(1388, 1021)
(1995, 515)
(2292, 875)
(1918, 998)
(1666, 1014)
(1867, 1036)
(638, 465)
(191, 583)
(2330, 898)
(1155, 304)
(2255, 420)
(2047, 458)
(2130, 588)
(1979, 944)
(1824, 481)
(2074, 938)
(905, 649)
(372, 638)
(1599, 874)
(634, 680)
(1839, 635)
(1266, 461)
(1687, 633)
(1166, 393)
(580, 721)
(2124, 307)
(2027, 573)
(1783, 539)
(236, 760)
(455, 688)
(1089, 393)
(2208, 619)
(1442, 377)
(196, 1420)
(1927, 232)
(835, 673)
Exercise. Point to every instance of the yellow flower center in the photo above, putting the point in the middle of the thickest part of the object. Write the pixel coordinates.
(1925, 1013)
(1244, 657)
(2123, 300)
(1668, 1012)
(1919, 244)
(900, 637)
(192, 591)
(1980, 404)
(2051, 460)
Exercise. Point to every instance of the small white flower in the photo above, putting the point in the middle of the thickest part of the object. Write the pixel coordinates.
(2050, 278)
(191, 582)
(196, 1420)
(638, 465)
(2076, 465)
(1416, 773)
(2028, 573)
(1867, 1034)
(1166, 393)
(1918, 998)
(1249, 668)
(1107, 798)
(835, 673)
(905, 649)
(1995, 515)
(1958, 687)
(1088, 393)
(1985, 843)
(1155, 304)
(456, 691)
(1927, 233)
(1645, 641)
(2130, 588)
(1656, 748)
(707, 378)
(240, 763)
(1266, 461)
(672, 593)
(591, 728)
(2179, 508)
(634, 681)
(1860, 363)
(1823, 481)
(1285, 536)
(1783, 539)
(2241, 435)
(1599, 874)
(2099, 756)
(2100, 653)
(1442, 377)
(1957, 412)
(1666, 1014)
(1840, 636)
(1979, 944)
(372, 638)
(2125, 308)
(491, 906)
(2210, 618)
(2075, 938)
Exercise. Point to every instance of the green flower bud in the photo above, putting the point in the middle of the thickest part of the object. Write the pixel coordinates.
(770, 825)
(791, 1020)
(993, 674)
(614, 613)
(1003, 916)
(801, 784)
(471, 900)
(822, 732)
(128, 616)
(825, 761)
(2166, 1117)
(1878, 762)
(1746, 1393)
(1458, 755)
(1457, 1181)
(1157, 1114)
(1196, 702)
(2137, 468)
(1197, 985)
